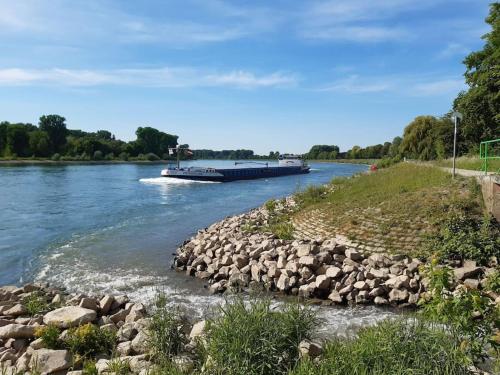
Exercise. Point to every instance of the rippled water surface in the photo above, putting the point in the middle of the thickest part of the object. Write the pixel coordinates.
(114, 228)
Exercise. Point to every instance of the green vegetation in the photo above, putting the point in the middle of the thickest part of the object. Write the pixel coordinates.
(470, 163)
(166, 338)
(464, 237)
(493, 282)
(51, 139)
(469, 314)
(404, 200)
(404, 346)
(84, 342)
(256, 338)
(36, 303)
(279, 222)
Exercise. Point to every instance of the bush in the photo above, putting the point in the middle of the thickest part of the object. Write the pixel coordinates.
(56, 157)
(463, 237)
(493, 282)
(255, 338)
(152, 157)
(312, 194)
(89, 368)
(123, 156)
(50, 336)
(404, 346)
(470, 314)
(98, 155)
(89, 340)
(110, 156)
(36, 303)
(166, 338)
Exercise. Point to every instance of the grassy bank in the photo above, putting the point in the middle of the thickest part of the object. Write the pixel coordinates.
(470, 163)
(347, 161)
(395, 208)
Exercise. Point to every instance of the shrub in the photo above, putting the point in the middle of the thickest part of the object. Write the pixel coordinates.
(255, 338)
(283, 230)
(98, 155)
(36, 303)
(271, 205)
(404, 346)
(50, 336)
(463, 237)
(56, 157)
(152, 157)
(493, 282)
(89, 368)
(470, 314)
(123, 156)
(89, 340)
(312, 194)
(166, 338)
(119, 366)
(109, 156)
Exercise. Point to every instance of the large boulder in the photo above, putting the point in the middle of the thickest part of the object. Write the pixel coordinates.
(17, 331)
(48, 361)
(469, 271)
(70, 316)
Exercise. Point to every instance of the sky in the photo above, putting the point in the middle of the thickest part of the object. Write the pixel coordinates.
(263, 75)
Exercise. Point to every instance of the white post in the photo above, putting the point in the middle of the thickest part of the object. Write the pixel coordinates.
(454, 146)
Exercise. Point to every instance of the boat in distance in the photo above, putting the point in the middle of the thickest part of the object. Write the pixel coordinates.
(287, 165)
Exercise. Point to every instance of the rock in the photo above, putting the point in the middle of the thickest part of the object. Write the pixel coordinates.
(57, 299)
(17, 331)
(375, 292)
(310, 349)
(335, 297)
(353, 254)
(362, 297)
(382, 273)
(124, 348)
(380, 301)
(198, 329)
(183, 363)
(120, 316)
(16, 310)
(467, 272)
(49, 361)
(398, 282)
(303, 250)
(23, 363)
(71, 316)
(283, 283)
(37, 344)
(309, 261)
(126, 332)
(323, 282)
(471, 283)
(398, 295)
(88, 303)
(379, 260)
(240, 261)
(347, 289)
(105, 304)
(333, 272)
(140, 343)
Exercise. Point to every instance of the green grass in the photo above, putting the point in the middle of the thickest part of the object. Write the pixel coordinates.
(255, 338)
(36, 303)
(404, 346)
(404, 200)
(471, 163)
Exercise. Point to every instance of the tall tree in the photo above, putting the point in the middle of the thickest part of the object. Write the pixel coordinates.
(17, 140)
(480, 104)
(39, 143)
(55, 126)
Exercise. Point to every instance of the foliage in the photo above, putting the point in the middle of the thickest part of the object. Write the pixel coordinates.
(151, 157)
(50, 336)
(56, 157)
(312, 194)
(409, 345)
(119, 366)
(36, 303)
(89, 368)
(493, 281)
(480, 104)
(39, 143)
(463, 237)
(151, 140)
(89, 340)
(470, 314)
(166, 338)
(98, 155)
(426, 136)
(255, 338)
(323, 152)
(55, 127)
(271, 205)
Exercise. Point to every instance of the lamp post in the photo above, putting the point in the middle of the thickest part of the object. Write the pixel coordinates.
(455, 116)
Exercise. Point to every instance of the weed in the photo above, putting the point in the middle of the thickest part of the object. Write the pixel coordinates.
(493, 281)
(255, 338)
(89, 340)
(271, 205)
(166, 338)
(119, 366)
(404, 346)
(50, 336)
(36, 303)
(89, 368)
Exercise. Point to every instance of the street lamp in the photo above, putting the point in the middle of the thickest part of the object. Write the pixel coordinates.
(455, 116)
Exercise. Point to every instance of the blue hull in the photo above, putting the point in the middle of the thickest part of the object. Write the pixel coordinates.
(236, 174)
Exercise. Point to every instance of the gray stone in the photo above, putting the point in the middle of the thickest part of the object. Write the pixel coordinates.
(310, 349)
(140, 343)
(333, 272)
(335, 297)
(124, 348)
(16, 310)
(471, 283)
(398, 295)
(353, 254)
(198, 329)
(323, 282)
(88, 303)
(467, 272)
(105, 304)
(17, 331)
(50, 361)
(71, 316)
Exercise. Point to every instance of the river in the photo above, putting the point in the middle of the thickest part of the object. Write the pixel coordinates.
(114, 228)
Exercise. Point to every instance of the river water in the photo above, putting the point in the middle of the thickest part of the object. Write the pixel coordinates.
(114, 228)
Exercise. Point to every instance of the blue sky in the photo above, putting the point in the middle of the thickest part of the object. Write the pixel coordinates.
(265, 75)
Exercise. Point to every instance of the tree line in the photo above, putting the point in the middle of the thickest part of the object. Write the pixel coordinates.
(232, 154)
(430, 137)
(51, 138)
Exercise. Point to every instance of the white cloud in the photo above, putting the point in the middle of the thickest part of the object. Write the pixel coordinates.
(357, 33)
(452, 50)
(398, 84)
(169, 77)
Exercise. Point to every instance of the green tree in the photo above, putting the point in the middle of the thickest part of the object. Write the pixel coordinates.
(152, 140)
(17, 140)
(39, 143)
(480, 104)
(3, 137)
(395, 145)
(55, 126)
